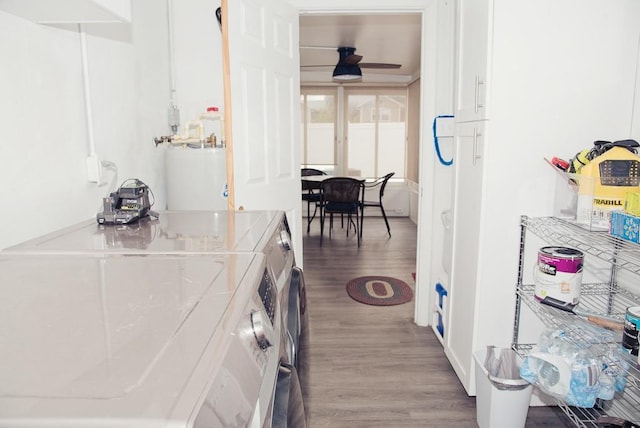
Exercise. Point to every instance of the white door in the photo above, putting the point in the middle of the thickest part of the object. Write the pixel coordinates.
(264, 77)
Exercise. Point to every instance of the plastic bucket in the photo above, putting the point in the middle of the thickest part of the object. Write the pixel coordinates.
(558, 274)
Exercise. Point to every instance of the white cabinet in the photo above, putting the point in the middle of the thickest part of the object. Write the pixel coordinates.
(473, 58)
(70, 11)
(473, 45)
(459, 339)
(533, 80)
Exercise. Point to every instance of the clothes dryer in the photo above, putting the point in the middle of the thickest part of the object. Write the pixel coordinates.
(139, 341)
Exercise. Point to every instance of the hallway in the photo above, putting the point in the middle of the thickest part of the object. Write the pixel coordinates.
(373, 366)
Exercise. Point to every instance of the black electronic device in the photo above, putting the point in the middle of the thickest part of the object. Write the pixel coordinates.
(126, 205)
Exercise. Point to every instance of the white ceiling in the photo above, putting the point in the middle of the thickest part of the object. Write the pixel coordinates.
(386, 38)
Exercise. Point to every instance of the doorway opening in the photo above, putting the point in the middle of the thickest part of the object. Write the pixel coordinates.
(340, 30)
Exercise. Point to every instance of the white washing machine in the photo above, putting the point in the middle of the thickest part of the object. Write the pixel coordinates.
(198, 235)
(138, 341)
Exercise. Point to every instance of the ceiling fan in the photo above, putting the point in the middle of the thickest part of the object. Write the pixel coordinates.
(349, 66)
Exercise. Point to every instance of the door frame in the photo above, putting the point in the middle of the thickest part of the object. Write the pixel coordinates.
(429, 9)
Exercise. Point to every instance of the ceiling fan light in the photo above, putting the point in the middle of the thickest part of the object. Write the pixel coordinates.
(347, 72)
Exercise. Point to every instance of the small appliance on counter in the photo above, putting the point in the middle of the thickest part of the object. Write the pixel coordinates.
(128, 204)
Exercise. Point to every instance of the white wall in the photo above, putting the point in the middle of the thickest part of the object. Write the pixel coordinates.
(43, 148)
(546, 102)
(42, 115)
(198, 57)
(44, 127)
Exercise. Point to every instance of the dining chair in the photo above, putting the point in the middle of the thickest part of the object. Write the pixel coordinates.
(341, 195)
(311, 193)
(380, 183)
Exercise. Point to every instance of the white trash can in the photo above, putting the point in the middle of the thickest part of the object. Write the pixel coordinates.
(501, 402)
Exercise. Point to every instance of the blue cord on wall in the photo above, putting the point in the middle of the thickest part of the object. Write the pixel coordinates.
(437, 144)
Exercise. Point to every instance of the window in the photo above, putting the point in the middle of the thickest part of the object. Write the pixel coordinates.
(373, 130)
(318, 108)
(385, 114)
(377, 131)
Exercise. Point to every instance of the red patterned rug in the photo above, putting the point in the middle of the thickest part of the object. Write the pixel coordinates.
(379, 291)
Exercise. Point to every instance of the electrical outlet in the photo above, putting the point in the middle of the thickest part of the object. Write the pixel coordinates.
(94, 169)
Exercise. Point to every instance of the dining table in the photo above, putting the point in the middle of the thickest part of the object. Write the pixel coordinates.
(321, 178)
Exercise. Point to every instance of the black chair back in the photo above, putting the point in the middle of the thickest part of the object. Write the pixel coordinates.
(306, 172)
(341, 195)
(311, 193)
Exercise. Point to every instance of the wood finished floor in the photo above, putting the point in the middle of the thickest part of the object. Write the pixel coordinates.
(373, 366)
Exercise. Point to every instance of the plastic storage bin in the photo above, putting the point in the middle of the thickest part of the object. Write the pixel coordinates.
(497, 407)
(590, 201)
(442, 293)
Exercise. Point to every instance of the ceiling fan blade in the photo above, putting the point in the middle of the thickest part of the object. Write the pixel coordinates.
(373, 65)
(348, 58)
(331, 48)
(352, 59)
(379, 65)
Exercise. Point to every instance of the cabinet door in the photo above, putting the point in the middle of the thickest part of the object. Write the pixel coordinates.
(473, 25)
(460, 339)
(70, 11)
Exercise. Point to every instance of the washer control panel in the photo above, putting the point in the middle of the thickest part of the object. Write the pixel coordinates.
(268, 293)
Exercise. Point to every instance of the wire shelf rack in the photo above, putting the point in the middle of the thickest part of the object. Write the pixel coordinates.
(597, 299)
(625, 255)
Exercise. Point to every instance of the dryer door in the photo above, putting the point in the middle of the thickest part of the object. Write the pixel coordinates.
(288, 406)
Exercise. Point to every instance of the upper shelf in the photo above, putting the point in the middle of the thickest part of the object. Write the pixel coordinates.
(625, 255)
(70, 11)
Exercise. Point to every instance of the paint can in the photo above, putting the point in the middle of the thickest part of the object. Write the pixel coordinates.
(631, 330)
(558, 274)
